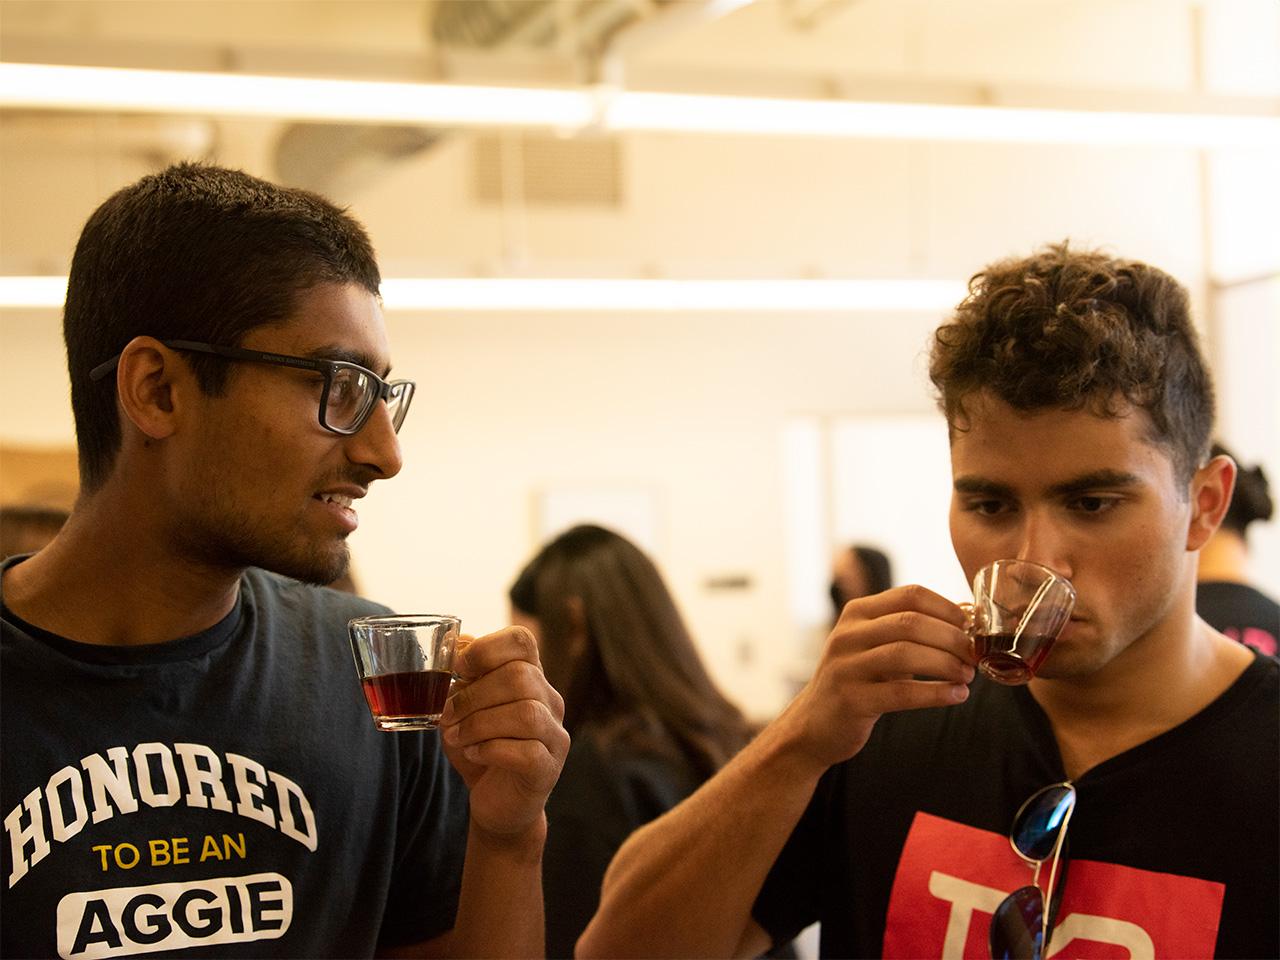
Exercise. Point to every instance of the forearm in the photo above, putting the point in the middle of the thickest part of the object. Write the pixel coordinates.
(684, 884)
(500, 908)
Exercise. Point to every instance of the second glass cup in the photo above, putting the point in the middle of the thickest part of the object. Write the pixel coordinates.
(1019, 609)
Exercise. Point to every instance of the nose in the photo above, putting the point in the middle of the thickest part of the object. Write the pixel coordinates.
(376, 445)
(1042, 542)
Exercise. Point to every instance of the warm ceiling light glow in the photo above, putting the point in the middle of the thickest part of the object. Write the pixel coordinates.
(359, 101)
(609, 295)
(614, 295)
(919, 121)
(32, 291)
(41, 86)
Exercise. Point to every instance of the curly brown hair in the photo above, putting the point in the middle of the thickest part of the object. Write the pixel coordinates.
(1075, 329)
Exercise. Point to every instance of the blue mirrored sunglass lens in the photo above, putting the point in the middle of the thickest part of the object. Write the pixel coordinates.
(1017, 926)
(1035, 831)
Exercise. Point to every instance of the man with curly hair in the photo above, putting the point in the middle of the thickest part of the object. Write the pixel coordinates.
(880, 802)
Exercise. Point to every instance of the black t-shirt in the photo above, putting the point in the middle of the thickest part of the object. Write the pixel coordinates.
(1241, 612)
(1172, 849)
(222, 794)
(606, 791)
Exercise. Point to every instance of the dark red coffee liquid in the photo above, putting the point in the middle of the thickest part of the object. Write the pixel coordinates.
(997, 660)
(419, 694)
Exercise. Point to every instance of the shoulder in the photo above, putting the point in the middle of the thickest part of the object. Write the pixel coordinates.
(298, 622)
(274, 594)
(607, 770)
(1258, 685)
(1260, 681)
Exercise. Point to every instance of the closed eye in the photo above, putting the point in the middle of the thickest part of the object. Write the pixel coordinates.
(985, 508)
(1093, 505)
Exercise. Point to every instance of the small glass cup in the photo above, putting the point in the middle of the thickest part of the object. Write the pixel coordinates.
(405, 664)
(1019, 609)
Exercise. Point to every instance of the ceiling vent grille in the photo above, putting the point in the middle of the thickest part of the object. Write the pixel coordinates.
(543, 170)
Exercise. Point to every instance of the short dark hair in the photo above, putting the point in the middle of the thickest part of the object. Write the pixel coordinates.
(195, 252)
(640, 677)
(1251, 499)
(1078, 328)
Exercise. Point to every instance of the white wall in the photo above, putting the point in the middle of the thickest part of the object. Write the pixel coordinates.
(693, 407)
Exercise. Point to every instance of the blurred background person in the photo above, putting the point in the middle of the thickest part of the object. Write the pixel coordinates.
(858, 571)
(26, 528)
(1224, 596)
(648, 724)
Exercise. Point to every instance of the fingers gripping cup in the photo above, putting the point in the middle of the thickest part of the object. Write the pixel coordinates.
(1019, 609)
(405, 664)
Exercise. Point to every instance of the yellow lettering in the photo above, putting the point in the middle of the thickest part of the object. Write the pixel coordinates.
(210, 850)
(102, 851)
(180, 850)
(236, 845)
(160, 853)
(121, 855)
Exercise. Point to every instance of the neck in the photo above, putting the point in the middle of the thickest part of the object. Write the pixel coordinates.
(113, 576)
(1224, 558)
(1159, 681)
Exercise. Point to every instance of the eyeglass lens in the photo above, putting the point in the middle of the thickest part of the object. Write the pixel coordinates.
(352, 395)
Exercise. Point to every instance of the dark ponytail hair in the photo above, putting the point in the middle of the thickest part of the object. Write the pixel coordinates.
(639, 679)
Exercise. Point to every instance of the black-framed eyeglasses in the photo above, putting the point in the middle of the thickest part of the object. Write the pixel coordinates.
(1020, 925)
(347, 399)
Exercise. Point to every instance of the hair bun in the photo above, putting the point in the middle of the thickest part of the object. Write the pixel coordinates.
(1254, 494)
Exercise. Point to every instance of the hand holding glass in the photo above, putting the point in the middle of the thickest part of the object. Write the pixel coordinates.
(1019, 609)
(405, 664)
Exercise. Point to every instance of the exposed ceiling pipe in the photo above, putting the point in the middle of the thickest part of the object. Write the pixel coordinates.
(639, 34)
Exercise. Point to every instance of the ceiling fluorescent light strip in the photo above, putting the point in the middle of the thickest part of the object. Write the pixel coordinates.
(774, 296)
(43, 86)
(918, 121)
(33, 291)
(608, 295)
(359, 101)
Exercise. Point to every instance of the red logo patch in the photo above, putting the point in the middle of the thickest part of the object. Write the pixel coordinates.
(951, 877)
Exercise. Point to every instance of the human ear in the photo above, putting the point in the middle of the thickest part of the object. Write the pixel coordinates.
(1211, 489)
(145, 386)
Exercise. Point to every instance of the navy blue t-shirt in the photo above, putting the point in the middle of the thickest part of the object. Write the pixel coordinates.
(224, 794)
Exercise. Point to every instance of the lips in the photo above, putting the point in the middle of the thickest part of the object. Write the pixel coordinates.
(339, 505)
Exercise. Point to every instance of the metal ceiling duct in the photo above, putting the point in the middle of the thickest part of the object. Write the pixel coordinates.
(337, 159)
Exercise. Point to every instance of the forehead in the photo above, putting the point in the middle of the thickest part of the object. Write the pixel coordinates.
(1044, 447)
(334, 321)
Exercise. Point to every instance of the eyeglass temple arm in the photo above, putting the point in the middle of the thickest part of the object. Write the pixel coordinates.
(107, 366)
(101, 370)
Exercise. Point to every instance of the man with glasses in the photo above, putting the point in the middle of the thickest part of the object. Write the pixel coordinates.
(1125, 802)
(188, 760)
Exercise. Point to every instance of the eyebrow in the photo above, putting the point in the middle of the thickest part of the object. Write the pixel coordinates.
(1098, 479)
(980, 486)
(1094, 480)
(358, 357)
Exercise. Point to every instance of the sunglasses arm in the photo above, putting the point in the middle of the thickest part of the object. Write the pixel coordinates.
(1053, 876)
